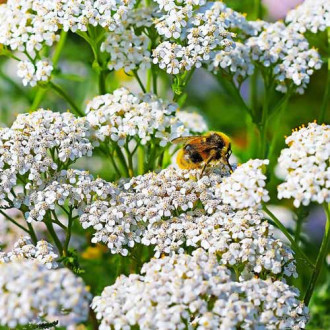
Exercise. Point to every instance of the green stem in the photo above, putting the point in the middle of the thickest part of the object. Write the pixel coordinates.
(59, 48)
(154, 82)
(263, 126)
(130, 161)
(257, 9)
(102, 78)
(254, 93)
(325, 101)
(66, 97)
(122, 159)
(32, 233)
(38, 98)
(68, 234)
(320, 258)
(294, 245)
(139, 81)
(107, 152)
(149, 77)
(51, 230)
(140, 156)
(14, 222)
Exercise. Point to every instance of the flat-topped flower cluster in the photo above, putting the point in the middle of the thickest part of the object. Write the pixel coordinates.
(176, 36)
(211, 244)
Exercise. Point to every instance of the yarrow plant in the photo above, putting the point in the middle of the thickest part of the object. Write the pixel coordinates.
(99, 228)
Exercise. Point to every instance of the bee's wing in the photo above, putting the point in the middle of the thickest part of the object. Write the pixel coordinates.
(185, 139)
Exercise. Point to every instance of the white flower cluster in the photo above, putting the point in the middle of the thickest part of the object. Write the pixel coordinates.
(71, 188)
(31, 293)
(31, 73)
(27, 25)
(42, 252)
(175, 209)
(311, 15)
(306, 165)
(240, 238)
(145, 200)
(287, 52)
(123, 115)
(236, 61)
(246, 186)
(194, 291)
(37, 145)
(193, 121)
(209, 31)
(127, 50)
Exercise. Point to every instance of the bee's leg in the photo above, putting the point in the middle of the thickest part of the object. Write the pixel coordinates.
(212, 154)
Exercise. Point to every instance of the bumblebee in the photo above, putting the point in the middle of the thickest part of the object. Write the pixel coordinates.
(199, 151)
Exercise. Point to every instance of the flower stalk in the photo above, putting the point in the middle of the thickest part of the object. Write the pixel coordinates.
(324, 248)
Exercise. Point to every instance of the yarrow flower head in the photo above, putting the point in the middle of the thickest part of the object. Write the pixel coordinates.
(306, 165)
(147, 199)
(72, 187)
(29, 26)
(122, 116)
(287, 53)
(208, 31)
(195, 290)
(24, 249)
(31, 73)
(37, 145)
(311, 15)
(240, 239)
(236, 61)
(246, 186)
(31, 293)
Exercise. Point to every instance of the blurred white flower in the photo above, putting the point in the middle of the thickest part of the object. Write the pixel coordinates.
(193, 121)
(311, 15)
(306, 165)
(24, 249)
(246, 186)
(31, 293)
(194, 291)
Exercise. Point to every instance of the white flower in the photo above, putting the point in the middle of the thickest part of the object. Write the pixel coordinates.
(31, 293)
(34, 146)
(239, 238)
(72, 187)
(127, 50)
(236, 61)
(306, 165)
(147, 199)
(287, 53)
(31, 73)
(201, 30)
(123, 115)
(246, 186)
(194, 291)
(24, 249)
(311, 15)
